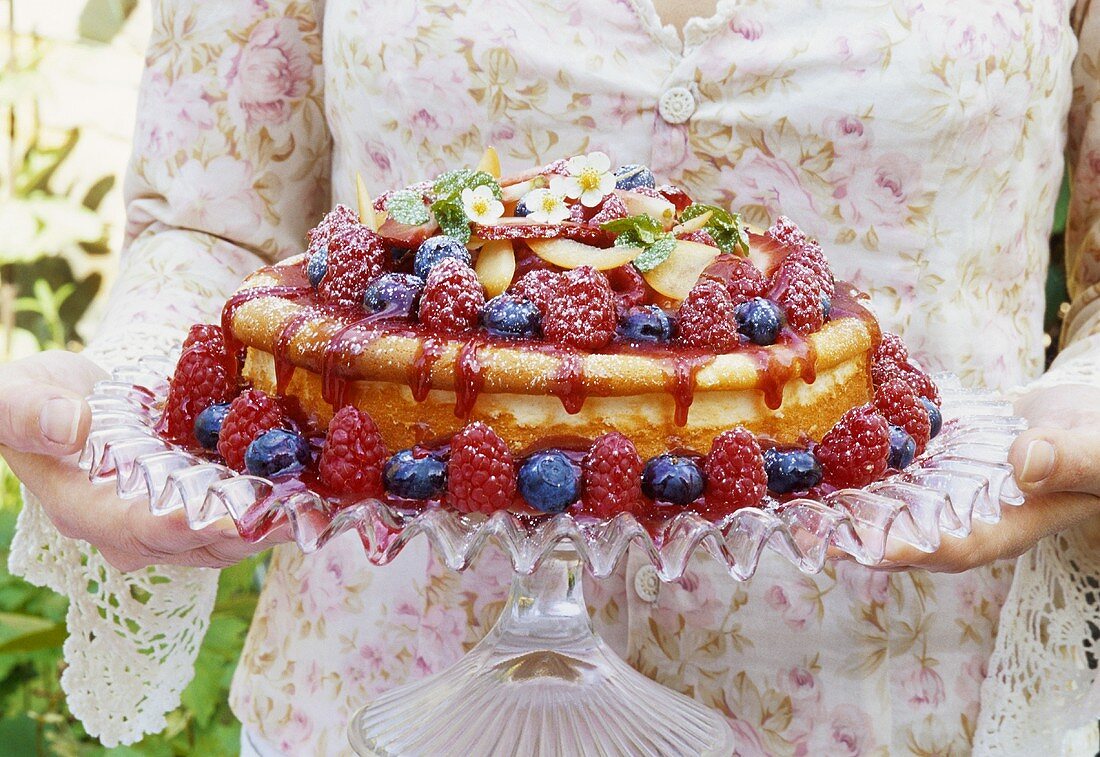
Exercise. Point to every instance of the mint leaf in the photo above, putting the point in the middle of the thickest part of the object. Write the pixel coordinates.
(452, 219)
(450, 184)
(655, 254)
(635, 231)
(407, 207)
(724, 227)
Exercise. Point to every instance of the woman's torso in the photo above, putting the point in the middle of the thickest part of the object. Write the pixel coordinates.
(922, 148)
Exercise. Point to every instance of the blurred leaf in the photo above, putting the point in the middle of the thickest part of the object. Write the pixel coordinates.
(23, 623)
(1061, 209)
(102, 20)
(93, 198)
(39, 164)
(34, 641)
(19, 735)
(40, 225)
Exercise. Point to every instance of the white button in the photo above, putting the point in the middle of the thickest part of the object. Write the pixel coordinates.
(676, 105)
(646, 583)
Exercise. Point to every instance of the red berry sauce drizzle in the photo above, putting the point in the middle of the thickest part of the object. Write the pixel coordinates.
(349, 331)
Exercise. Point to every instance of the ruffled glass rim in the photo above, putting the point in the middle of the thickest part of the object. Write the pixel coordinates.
(962, 477)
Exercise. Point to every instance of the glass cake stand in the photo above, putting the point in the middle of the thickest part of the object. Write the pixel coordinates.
(542, 681)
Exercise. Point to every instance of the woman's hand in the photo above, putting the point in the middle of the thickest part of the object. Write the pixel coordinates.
(44, 421)
(1057, 464)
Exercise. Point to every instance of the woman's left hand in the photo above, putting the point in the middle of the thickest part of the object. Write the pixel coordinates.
(1057, 464)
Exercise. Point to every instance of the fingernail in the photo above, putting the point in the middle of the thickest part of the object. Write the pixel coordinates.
(59, 421)
(1038, 462)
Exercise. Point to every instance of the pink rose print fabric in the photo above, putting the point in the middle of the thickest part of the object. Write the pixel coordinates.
(922, 145)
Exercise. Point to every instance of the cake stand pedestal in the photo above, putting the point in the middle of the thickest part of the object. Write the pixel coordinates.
(542, 682)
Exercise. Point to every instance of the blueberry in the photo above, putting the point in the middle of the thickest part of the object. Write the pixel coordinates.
(415, 477)
(791, 470)
(646, 324)
(512, 317)
(759, 320)
(935, 417)
(633, 176)
(826, 306)
(277, 453)
(208, 425)
(902, 448)
(317, 267)
(549, 481)
(435, 249)
(394, 294)
(675, 479)
(522, 211)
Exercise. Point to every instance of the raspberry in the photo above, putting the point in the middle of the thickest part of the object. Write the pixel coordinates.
(577, 213)
(707, 317)
(917, 380)
(356, 257)
(540, 287)
(741, 278)
(203, 377)
(611, 208)
(891, 349)
(612, 477)
(250, 415)
(700, 236)
(809, 256)
(785, 232)
(354, 453)
(801, 300)
(207, 335)
(339, 218)
(735, 473)
(481, 477)
(583, 314)
(901, 406)
(647, 191)
(855, 451)
(452, 297)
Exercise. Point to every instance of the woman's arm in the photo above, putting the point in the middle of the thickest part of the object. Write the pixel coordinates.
(229, 169)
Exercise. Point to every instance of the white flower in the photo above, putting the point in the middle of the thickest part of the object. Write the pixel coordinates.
(481, 206)
(546, 206)
(590, 179)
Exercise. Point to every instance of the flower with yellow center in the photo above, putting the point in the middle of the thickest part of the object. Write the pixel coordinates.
(545, 206)
(481, 206)
(589, 180)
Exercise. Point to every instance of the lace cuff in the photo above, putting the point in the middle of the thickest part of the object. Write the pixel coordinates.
(1041, 694)
(133, 637)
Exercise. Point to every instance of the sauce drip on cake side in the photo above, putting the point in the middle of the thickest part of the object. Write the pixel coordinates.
(792, 357)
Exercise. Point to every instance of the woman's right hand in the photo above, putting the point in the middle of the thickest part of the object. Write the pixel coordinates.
(44, 422)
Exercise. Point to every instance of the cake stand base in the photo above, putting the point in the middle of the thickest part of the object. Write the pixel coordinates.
(541, 683)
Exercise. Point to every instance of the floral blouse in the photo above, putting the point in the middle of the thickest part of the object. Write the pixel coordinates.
(920, 143)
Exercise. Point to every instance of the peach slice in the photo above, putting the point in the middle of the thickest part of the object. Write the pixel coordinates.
(657, 208)
(495, 266)
(675, 277)
(490, 163)
(569, 254)
(693, 224)
(367, 215)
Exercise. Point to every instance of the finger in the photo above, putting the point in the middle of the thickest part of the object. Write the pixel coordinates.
(1057, 460)
(43, 418)
(1019, 529)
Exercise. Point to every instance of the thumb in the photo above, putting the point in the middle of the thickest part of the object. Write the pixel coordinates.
(43, 419)
(1057, 460)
